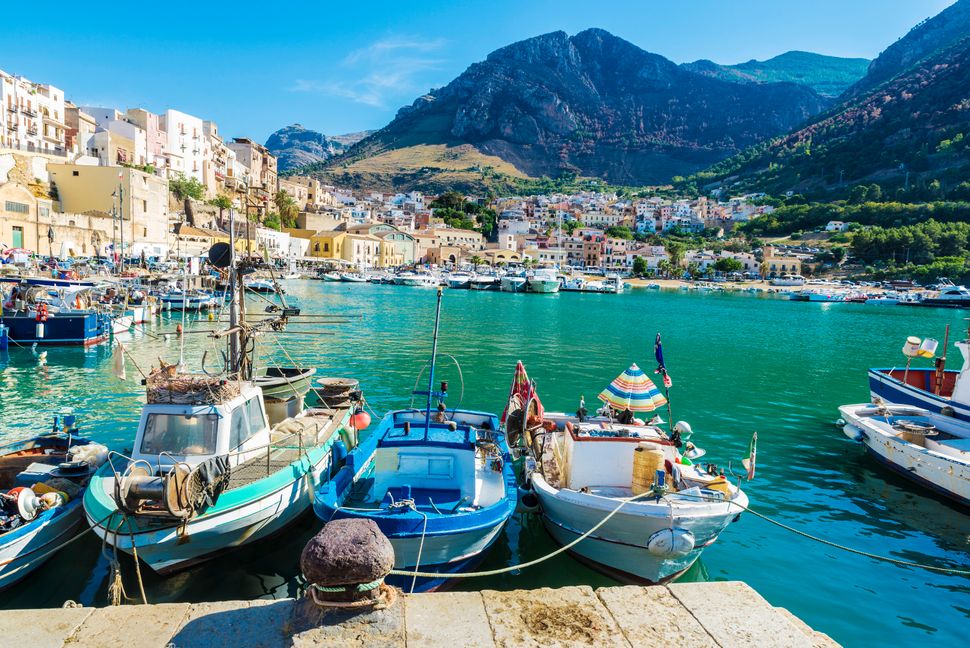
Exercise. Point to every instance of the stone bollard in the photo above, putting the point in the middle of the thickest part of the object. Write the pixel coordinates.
(345, 564)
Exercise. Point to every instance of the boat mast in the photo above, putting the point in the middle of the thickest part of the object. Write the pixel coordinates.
(434, 353)
(233, 296)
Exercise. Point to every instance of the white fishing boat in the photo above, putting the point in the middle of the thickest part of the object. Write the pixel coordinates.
(666, 509)
(212, 466)
(121, 324)
(352, 277)
(543, 281)
(613, 283)
(573, 284)
(825, 296)
(928, 448)
(331, 276)
(886, 299)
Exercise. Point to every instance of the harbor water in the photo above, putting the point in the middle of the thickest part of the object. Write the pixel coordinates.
(740, 363)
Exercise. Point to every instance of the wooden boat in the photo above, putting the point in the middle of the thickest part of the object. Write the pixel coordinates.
(925, 447)
(438, 483)
(34, 523)
(261, 478)
(583, 469)
(284, 382)
(936, 389)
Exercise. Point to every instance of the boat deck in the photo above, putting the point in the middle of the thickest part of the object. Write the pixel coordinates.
(282, 452)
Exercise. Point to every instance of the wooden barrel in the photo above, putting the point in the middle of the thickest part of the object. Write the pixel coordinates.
(647, 460)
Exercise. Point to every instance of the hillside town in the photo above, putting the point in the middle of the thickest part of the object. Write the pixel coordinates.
(94, 181)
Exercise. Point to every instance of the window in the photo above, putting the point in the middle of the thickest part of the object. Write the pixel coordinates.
(180, 434)
(75, 173)
(45, 212)
(144, 205)
(246, 421)
(16, 207)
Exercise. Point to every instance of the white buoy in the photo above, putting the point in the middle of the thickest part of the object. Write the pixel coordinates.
(911, 347)
(39, 330)
(671, 543)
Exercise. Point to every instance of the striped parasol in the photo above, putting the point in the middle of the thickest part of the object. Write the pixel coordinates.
(634, 391)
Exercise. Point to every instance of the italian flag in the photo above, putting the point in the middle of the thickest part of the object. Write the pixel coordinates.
(749, 461)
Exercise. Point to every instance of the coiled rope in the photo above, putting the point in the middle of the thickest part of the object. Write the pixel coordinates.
(541, 559)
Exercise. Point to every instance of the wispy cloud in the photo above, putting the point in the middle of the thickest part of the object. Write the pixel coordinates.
(386, 70)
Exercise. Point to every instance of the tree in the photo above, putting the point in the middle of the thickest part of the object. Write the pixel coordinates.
(288, 209)
(476, 260)
(620, 232)
(639, 266)
(675, 250)
(223, 203)
(187, 190)
(694, 269)
(728, 264)
(859, 194)
(874, 193)
(665, 267)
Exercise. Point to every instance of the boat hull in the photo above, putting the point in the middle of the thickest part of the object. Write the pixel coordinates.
(619, 547)
(542, 286)
(945, 474)
(82, 328)
(23, 549)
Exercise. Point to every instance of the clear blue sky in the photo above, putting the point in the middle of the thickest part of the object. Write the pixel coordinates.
(344, 66)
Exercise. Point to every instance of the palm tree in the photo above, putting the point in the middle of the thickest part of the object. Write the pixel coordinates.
(665, 267)
(675, 250)
(476, 261)
(287, 207)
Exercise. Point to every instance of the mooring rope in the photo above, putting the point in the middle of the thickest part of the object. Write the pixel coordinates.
(541, 559)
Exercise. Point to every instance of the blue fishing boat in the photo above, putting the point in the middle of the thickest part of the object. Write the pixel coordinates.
(42, 481)
(438, 483)
(40, 314)
(4, 337)
(936, 388)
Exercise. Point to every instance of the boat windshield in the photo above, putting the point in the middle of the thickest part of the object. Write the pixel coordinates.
(180, 434)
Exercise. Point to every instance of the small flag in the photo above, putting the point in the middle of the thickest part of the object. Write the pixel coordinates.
(658, 351)
(749, 461)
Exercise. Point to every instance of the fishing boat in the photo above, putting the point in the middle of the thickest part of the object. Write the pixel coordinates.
(543, 281)
(209, 470)
(193, 300)
(264, 286)
(352, 277)
(121, 324)
(284, 382)
(572, 284)
(330, 276)
(886, 299)
(925, 447)
(437, 482)
(4, 337)
(666, 509)
(935, 388)
(825, 296)
(42, 481)
(38, 314)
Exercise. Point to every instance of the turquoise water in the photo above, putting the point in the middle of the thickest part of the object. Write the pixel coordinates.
(740, 363)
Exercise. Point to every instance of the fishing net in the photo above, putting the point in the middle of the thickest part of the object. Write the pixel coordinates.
(188, 389)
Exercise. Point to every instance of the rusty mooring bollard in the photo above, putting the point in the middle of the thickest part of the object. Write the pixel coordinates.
(345, 565)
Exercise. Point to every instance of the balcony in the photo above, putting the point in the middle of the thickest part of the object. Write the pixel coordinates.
(12, 127)
(12, 109)
(31, 130)
(29, 112)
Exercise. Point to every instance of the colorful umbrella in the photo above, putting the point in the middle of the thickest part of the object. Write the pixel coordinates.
(632, 390)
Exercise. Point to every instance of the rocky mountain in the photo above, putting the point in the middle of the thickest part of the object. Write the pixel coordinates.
(296, 146)
(931, 35)
(905, 131)
(827, 75)
(591, 104)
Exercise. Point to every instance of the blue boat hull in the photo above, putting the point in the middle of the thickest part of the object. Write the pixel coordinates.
(82, 328)
(917, 390)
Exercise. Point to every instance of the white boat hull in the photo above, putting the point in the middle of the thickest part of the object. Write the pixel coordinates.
(620, 545)
(945, 470)
(543, 286)
(510, 284)
(167, 550)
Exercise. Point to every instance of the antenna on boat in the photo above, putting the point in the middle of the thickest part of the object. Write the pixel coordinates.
(431, 393)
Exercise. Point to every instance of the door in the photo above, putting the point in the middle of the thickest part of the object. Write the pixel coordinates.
(18, 237)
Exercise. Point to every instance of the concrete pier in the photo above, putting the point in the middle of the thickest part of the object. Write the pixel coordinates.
(725, 614)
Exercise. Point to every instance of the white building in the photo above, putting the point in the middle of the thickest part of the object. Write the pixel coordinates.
(183, 144)
(33, 116)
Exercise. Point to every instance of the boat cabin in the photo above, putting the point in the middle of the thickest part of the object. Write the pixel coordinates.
(437, 466)
(170, 433)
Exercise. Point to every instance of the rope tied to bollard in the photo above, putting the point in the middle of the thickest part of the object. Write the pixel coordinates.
(384, 599)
